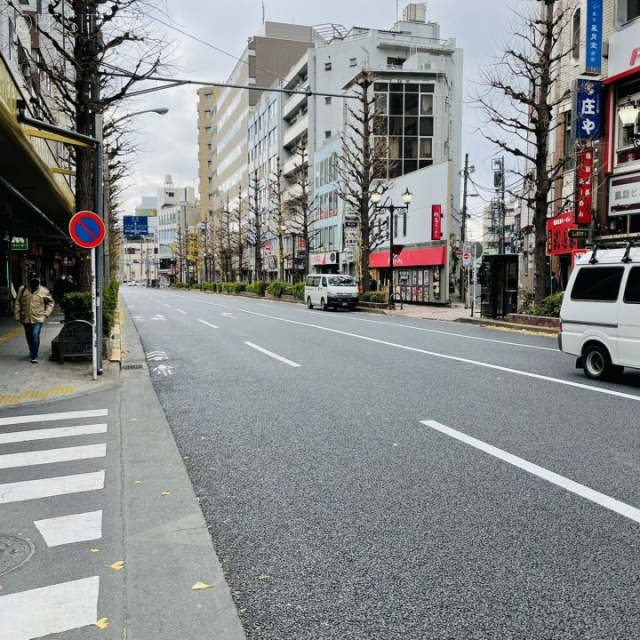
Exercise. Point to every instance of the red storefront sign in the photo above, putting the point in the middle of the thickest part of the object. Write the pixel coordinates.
(558, 241)
(419, 257)
(436, 222)
(585, 187)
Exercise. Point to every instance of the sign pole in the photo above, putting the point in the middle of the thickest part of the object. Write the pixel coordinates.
(94, 306)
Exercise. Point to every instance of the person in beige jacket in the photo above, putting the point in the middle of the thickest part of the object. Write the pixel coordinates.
(33, 305)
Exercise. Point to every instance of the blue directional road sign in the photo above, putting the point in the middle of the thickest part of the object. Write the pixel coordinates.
(135, 226)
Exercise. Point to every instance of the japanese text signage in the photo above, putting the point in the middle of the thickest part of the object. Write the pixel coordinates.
(558, 241)
(589, 115)
(594, 37)
(135, 225)
(585, 187)
(624, 194)
(436, 222)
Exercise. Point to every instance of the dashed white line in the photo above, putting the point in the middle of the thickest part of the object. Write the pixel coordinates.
(48, 487)
(79, 527)
(275, 356)
(48, 610)
(51, 434)
(48, 417)
(579, 489)
(49, 456)
(213, 326)
(184, 313)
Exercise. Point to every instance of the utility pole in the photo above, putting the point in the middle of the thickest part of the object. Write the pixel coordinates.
(463, 225)
(498, 183)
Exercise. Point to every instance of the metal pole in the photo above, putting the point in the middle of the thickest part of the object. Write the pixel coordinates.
(390, 301)
(99, 257)
(94, 351)
(463, 224)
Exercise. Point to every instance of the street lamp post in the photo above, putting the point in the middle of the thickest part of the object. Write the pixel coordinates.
(391, 208)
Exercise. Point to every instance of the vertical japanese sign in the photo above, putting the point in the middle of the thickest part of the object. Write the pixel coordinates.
(584, 195)
(588, 117)
(436, 222)
(593, 64)
(558, 240)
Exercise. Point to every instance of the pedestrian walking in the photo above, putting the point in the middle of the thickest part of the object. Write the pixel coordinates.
(60, 288)
(32, 307)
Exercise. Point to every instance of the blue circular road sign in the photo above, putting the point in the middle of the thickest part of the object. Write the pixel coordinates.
(87, 229)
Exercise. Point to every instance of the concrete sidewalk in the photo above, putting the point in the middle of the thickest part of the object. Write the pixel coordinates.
(22, 382)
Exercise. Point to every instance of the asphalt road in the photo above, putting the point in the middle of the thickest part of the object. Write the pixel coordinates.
(369, 477)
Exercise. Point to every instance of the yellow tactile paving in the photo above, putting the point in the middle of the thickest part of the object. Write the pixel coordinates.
(5, 337)
(10, 399)
(35, 393)
(63, 390)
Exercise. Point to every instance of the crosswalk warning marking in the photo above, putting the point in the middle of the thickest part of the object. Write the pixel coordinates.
(48, 417)
(49, 456)
(52, 434)
(79, 527)
(48, 610)
(48, 487)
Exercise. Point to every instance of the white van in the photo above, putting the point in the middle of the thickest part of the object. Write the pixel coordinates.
(600, 313)
(331, 290)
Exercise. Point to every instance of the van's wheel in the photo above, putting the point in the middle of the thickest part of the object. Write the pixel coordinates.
(323, 306)
(596, 362)
(309, 305)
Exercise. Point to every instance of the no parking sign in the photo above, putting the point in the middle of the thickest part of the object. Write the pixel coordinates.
(87, 229)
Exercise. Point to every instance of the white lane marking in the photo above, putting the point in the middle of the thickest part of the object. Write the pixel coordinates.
(213, 326)
(48, 610)
(50, 434)
(444, 333)
(79, 527)
(49, 456)
(273, 355)
(184, 313)
(48, 487)
(166, 305)
(579, 489)
(486, 365)
(48, 417)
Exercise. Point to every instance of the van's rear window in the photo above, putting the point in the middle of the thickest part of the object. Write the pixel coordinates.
(597, 283)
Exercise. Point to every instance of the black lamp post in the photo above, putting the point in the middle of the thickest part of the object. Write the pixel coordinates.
(391, 208)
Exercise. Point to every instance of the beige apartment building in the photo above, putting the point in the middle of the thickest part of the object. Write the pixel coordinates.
(223, 112)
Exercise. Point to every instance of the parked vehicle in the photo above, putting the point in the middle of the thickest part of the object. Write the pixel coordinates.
(329, 290)
(600, 313)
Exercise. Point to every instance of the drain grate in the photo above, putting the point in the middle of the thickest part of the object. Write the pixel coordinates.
(132, 366)
(14, 552)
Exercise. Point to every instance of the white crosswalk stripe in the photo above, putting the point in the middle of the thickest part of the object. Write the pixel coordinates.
(28, 455)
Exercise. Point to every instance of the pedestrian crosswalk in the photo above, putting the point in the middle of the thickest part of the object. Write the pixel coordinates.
(39, 468)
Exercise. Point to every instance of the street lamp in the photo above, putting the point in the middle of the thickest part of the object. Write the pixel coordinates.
(161, 111)
(391, 208)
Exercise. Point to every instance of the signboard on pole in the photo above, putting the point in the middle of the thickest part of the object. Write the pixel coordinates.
(87, 229)
(133, 226)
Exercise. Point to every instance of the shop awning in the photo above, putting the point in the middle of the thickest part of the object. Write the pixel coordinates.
(410, 257)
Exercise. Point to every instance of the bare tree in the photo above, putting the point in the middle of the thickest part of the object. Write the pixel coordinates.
(520, 92)
(99, 51)
(279, 218)
(301, 214)
(362, 163)
(256, 233)
(240, 231)
(224, 240)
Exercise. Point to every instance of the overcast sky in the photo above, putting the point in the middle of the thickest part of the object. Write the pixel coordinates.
(217, 34)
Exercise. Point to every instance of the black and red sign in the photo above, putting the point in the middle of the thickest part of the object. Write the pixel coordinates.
(584, 197)
(436, 222)
(87, 229)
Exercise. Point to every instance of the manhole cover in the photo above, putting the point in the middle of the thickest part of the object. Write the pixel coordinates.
(14, 552)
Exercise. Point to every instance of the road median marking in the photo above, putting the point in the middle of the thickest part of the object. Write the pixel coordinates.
(581, 490)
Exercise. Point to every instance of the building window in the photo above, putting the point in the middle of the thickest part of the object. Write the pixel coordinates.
(327, 66)
(628, 10)
(327, 134)
(353, 62)
(575, 35)
(327, 100)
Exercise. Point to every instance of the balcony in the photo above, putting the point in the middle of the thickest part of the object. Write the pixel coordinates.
(295, 131)
(293, 104)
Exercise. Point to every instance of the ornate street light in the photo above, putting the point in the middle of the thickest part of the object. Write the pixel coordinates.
(391, 208)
